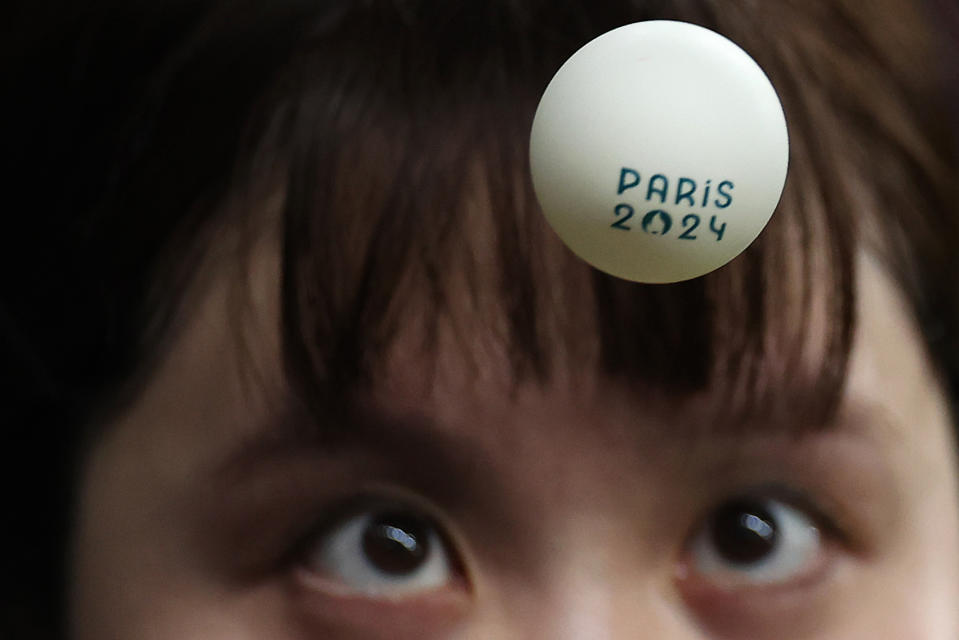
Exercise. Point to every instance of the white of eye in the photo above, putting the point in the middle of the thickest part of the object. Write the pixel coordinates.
(383, 553)
(756, 542)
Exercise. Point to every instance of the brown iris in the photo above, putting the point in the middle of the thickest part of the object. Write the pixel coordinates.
(397, 543)
(744, 532)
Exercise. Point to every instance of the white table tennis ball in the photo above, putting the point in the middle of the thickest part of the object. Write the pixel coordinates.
(659, 151)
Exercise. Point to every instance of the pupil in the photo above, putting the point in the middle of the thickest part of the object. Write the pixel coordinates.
(396, 543)
(744, 532)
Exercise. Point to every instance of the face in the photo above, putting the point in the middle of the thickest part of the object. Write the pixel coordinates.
(455, 505)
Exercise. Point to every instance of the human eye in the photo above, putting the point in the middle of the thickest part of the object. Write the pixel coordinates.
(766, 563)
(759, 542)
(382, 550)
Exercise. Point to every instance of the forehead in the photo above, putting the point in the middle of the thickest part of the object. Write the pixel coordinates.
(460, 356)
(498, 295)
(466, 376)
(219, 402)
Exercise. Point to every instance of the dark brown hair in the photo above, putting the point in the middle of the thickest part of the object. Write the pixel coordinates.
(141, 131)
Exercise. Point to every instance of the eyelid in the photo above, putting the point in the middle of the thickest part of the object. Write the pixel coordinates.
(326, 603)
(827, 516)
(383, 497)
(844, 475)
(834, 541)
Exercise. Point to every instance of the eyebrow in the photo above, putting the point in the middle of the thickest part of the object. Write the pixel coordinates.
(415, 446)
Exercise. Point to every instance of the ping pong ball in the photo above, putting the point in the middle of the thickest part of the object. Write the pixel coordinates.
(659, 151)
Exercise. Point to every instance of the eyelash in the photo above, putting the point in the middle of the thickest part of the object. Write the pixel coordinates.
(333, 520)
(830, 534)
(819, 510)
(379, 502)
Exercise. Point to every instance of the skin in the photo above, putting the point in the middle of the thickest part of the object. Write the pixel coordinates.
(567, 515)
